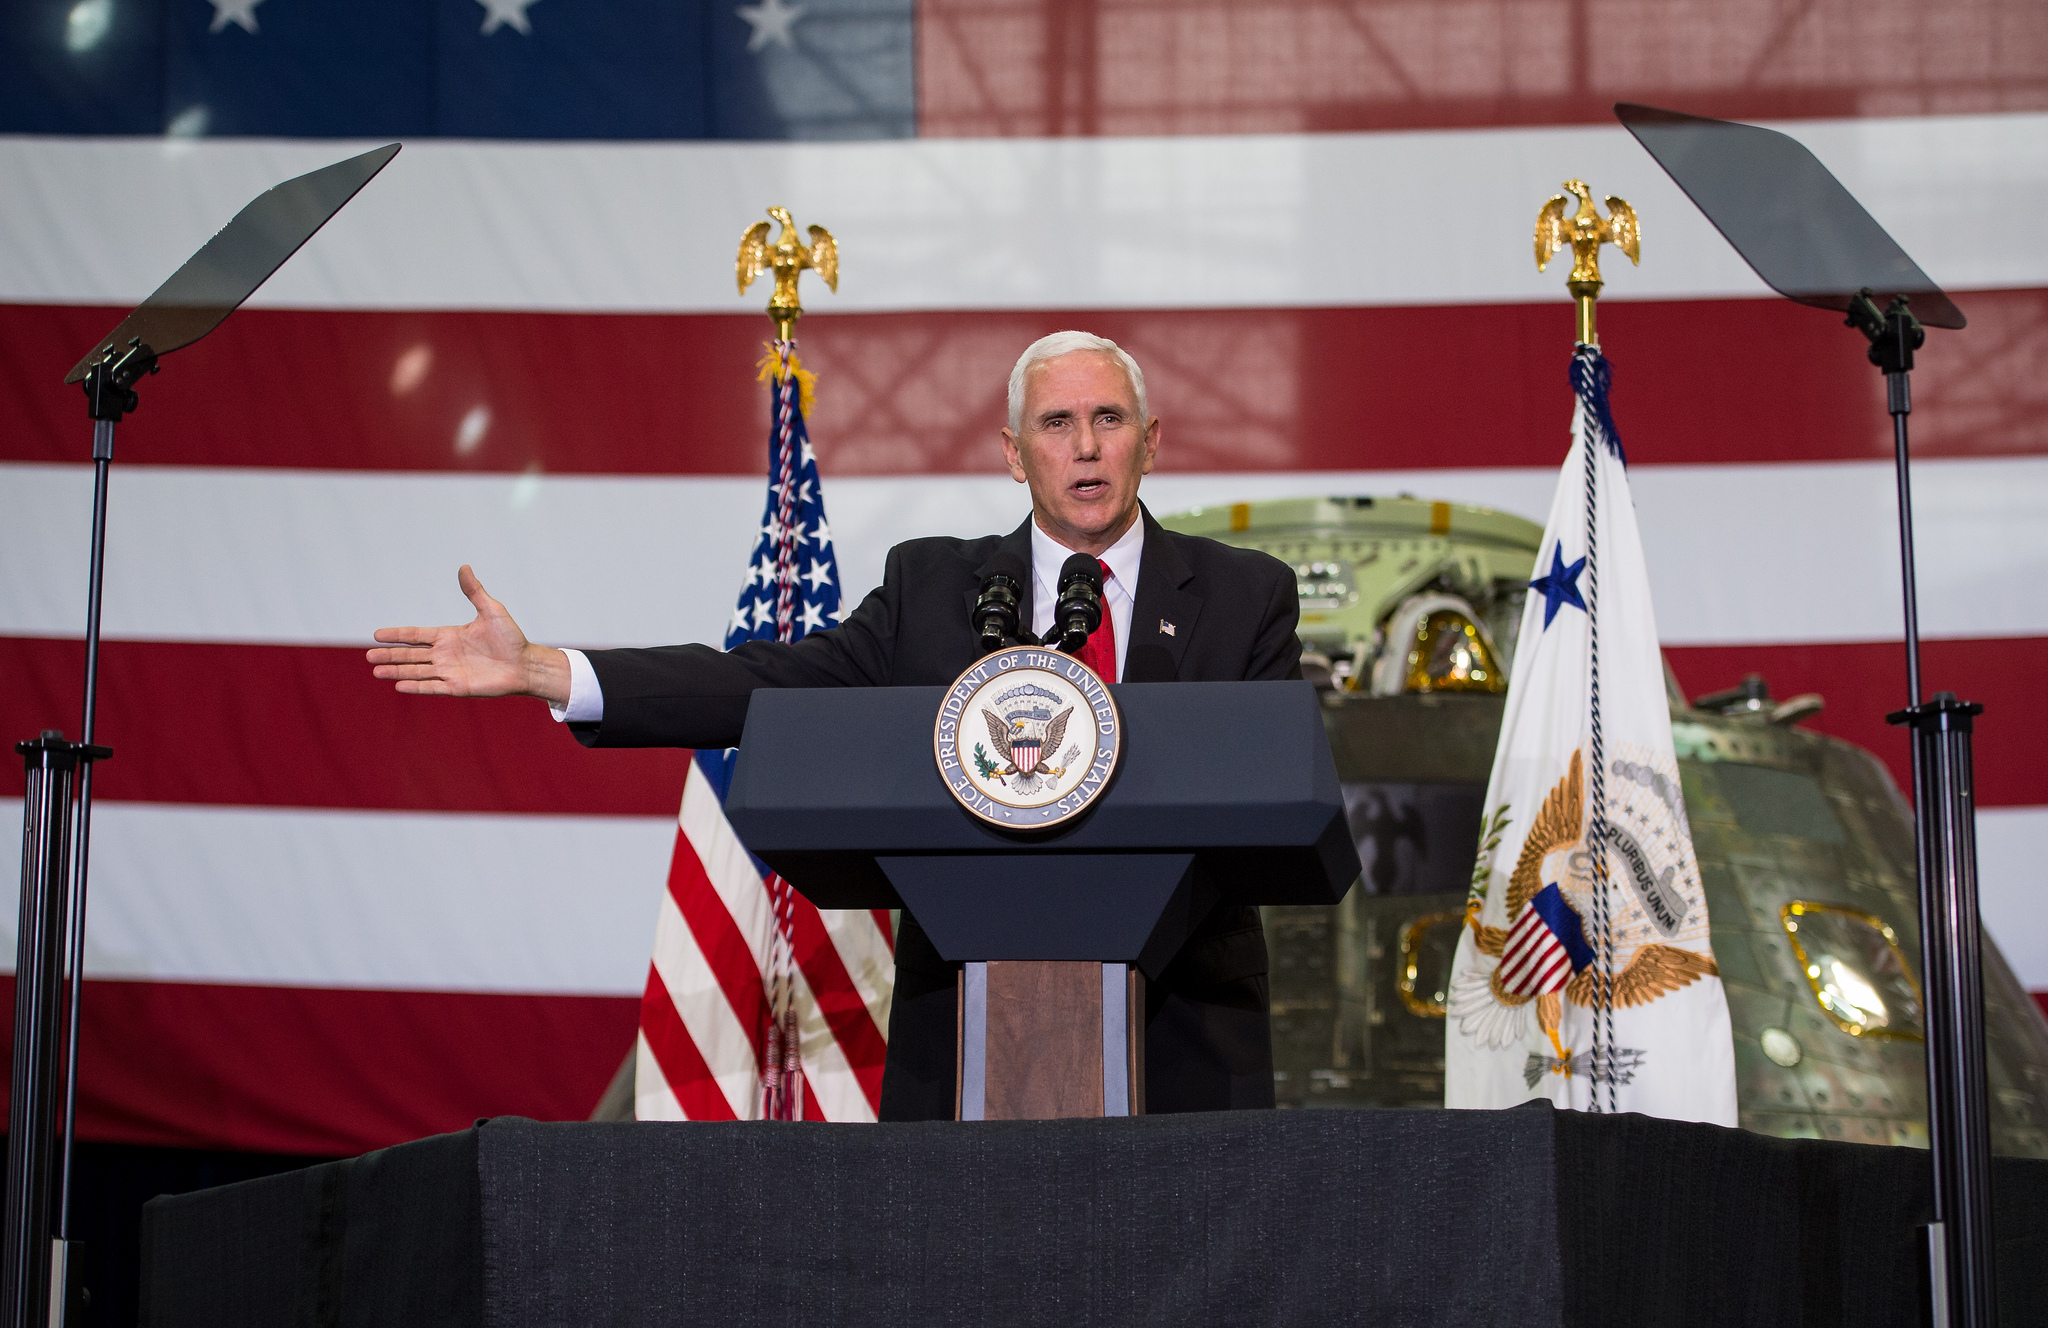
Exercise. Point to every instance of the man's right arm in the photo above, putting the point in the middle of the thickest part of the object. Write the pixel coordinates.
(667, 696)
(696, 696)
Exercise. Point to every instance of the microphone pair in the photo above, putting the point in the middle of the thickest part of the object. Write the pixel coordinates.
(1077, 611)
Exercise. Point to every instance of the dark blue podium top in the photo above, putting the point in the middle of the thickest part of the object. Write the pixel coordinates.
(1237, 773)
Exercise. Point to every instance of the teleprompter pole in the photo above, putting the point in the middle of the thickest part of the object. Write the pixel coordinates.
(1960, 1241)
(35, 1265)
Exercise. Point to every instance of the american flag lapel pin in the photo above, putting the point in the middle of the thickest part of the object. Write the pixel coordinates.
(1165, 627)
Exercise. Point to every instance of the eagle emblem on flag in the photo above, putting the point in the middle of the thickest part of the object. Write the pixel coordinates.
(1543, 957)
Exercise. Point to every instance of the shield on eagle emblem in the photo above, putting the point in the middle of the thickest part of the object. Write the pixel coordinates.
(1027, 737)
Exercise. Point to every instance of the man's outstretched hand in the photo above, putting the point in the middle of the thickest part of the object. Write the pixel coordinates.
(487, 656)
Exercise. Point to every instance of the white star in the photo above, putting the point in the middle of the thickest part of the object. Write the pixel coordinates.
(772, 22)
(241, 13)
(819, 575)
(764, 613)
(502, 13)
(809, 455)
(812, 618)
(822, 536)
(740, 617)
(772, 531)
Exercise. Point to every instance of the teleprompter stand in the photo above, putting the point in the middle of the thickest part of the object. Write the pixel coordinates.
(35, 1263)
(1812, 242)
(1224, 792)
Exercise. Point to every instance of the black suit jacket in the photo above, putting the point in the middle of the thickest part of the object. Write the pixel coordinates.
(1232, 615)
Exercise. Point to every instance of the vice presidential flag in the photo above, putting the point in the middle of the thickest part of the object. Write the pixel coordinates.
(1586, 974)
(758, 1005)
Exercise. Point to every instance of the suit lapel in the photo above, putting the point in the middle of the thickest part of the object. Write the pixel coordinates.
(1018, 545)
(1164, 613)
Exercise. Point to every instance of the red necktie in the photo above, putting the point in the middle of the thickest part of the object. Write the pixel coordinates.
(1099, 651)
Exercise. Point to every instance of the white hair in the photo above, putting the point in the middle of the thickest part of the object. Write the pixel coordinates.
(1066, 343)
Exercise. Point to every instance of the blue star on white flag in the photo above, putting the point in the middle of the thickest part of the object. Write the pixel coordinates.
(1560, 585)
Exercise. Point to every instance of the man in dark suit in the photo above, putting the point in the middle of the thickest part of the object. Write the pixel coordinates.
(1176, 607)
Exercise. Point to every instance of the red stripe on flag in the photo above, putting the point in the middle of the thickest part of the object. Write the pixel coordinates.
(919, 393)
(682, 1066)
(1863, 681)
(1054, 68)
(307, 726)
(884, 926)
(838, 1000)
(326, 1071)
(358, 744)
(718, 939)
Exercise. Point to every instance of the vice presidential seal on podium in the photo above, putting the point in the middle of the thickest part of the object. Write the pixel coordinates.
(1027, 738)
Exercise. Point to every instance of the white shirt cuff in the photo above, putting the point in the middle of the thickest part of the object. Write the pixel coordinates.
(586, 698)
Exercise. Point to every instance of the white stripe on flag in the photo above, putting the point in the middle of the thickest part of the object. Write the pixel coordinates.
(275, 556)
(728, 866)
(652, 1099)
(867, 957)
(2012, 880)
(402, 901)
(1020, 223)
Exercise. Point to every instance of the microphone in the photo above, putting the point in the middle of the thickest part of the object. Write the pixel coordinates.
(1078, 611)
(995, 609)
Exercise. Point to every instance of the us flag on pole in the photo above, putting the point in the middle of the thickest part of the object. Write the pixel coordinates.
(760, 1006)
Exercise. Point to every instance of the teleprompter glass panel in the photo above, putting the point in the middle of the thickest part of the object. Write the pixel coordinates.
(240, 257)
(1856, 970)
(1785, 213)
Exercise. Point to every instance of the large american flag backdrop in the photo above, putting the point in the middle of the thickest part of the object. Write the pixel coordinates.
(326, 917)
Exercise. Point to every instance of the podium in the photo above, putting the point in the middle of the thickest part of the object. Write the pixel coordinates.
(1225, 792)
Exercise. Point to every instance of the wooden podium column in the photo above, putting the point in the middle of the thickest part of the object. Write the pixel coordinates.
(1049, 1039)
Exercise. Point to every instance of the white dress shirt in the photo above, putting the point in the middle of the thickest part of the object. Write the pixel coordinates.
(1048, 555)
(1119, 589)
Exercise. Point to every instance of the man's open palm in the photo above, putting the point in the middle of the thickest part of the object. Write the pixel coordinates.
(487, 656)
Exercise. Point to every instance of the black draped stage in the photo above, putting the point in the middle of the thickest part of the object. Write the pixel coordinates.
(1527, 1218)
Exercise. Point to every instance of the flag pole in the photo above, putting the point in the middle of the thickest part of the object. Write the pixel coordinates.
(781, 1068)
(1585, 231)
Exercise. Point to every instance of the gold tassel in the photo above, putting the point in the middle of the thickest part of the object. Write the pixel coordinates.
(806, 381)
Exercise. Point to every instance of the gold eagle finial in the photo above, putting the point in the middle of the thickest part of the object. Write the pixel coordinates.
(787, 257)
(1585, 231)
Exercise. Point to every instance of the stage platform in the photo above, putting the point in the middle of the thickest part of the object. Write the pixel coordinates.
(1530, 1218)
